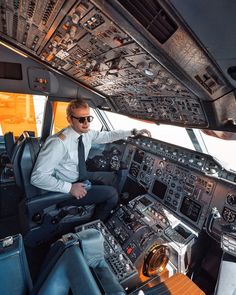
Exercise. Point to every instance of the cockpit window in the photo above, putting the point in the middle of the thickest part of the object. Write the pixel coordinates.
(60, 120)
(222, 150)
(168, 133)
(21, 112)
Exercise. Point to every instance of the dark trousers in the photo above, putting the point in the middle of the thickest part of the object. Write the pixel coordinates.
(105, 197)
(103, 194)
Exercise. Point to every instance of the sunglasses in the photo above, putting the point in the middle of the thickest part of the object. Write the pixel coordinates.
(83, 119)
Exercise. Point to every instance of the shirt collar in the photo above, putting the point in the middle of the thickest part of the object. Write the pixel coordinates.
(75, 135)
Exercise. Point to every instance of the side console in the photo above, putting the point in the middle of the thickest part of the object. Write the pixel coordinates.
(144, 241)
(152, 237)
(118, 261)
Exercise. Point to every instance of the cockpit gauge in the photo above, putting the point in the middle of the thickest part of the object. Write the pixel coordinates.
(228, 215)
(158, 172)
(231, 200)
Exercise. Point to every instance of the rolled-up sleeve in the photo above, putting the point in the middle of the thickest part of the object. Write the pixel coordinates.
(109, 136)
(43, 175)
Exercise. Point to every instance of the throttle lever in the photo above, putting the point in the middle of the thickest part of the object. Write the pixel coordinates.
(209, 223)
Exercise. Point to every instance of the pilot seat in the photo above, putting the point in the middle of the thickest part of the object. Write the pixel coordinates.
(40, 213)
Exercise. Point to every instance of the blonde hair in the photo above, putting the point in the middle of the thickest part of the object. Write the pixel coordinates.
(79, 103)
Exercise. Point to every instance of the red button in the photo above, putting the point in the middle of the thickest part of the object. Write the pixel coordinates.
(129, 250)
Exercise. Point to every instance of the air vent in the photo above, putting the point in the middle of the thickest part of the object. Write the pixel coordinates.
(152, 16)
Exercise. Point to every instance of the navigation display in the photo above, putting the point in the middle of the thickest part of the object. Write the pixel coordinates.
(159, 189)
(138, 156)
(145, 201)
(190, 209)
(182, 231)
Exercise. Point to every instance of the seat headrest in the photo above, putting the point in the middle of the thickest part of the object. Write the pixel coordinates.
(17, 144)
(9, 143)
(23, 163)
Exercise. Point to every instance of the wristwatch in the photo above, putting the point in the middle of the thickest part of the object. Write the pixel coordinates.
(134, 132)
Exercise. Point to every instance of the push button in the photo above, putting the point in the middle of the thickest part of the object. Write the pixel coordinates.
(129, 250)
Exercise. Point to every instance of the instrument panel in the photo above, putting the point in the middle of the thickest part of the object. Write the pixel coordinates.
(186, 182)
(159, 180)
(179, 189)
(183, 192)
(172, 194)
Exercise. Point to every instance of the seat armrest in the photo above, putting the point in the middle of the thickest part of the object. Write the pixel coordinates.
(47, 199)
(70, 272)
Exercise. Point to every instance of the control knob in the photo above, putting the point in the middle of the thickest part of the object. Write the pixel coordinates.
(231, 200)
(158, 172)
(121, 257)
(213, 171)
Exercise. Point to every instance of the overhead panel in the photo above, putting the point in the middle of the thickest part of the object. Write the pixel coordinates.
(162, 27)
(85, 42)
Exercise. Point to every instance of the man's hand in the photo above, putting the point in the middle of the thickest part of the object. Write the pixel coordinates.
(78, 191)
(141, 132)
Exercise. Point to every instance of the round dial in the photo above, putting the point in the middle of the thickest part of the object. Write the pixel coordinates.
(231, 200)
(228, 215)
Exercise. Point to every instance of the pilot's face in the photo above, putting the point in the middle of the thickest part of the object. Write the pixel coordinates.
(79, 120)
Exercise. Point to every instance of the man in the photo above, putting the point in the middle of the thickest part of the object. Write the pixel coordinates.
(57, 166)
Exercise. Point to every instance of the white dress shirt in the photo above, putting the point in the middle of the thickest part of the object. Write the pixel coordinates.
(57, 166)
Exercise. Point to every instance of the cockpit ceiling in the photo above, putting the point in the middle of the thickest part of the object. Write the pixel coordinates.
(157, 73)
